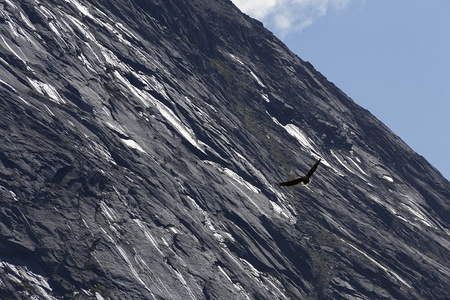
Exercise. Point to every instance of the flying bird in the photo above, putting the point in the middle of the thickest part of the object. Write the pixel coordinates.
(304, 179)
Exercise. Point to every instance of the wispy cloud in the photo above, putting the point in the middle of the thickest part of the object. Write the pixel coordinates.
(286, 16)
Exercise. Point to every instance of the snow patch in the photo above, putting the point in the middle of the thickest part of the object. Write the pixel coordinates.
(54, 28)
(21, 275)
(383, 203)
(218, 235)
(133, 144)
(116, 129)
(265, 278)
(184, 283)
(11, 4)
(411, 208)
(47, 90)
(303, 140)
(98, 296)
(24, 101)
(235, 58)
(282, 211)
(156, 281)
(14, 196)
(347, 167)
(114, 31)
(388, 178)
(112, 59)
(13, 28)
(186, 132)
(239, 179)
(298, 134)
(46, 12)
(81, 8)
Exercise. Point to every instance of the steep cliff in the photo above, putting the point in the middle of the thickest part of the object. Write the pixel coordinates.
(141, 146)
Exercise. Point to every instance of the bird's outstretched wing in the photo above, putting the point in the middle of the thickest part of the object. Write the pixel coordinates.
(303, 179)
(310, 172)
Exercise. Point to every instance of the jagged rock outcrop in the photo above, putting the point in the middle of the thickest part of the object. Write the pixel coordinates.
(141, 146)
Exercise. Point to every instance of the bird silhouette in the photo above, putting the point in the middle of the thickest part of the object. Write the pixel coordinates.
(304, 179)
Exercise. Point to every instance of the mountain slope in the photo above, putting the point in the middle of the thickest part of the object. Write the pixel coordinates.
(142, 143)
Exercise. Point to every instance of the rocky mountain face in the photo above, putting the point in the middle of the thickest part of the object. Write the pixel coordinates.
(141, 146)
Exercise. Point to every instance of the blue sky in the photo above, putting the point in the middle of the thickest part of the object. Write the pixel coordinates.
(392, 57)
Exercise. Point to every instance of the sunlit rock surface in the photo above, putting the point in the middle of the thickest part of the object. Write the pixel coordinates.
(141, 146)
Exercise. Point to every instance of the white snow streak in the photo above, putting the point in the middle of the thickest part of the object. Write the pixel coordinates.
(128, 261)
(357, 166)
(418, 216)
(11, 49)
(81, 27)
(8, 85)
(51, 113)
(148, 235)
(388, 271)
(236, 178)
(11, 4)
(239, 179)
(98, 149)
(27, 21)
(236, 59)
(108, 212)
(303, 140)
(165, 111)
(183, 281)
(257, 79)
(341, 162)
(238, 287)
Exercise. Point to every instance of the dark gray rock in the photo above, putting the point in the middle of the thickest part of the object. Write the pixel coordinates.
(141, 147)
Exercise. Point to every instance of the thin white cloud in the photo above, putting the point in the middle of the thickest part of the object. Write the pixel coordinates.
(286, 16)
(256, 8)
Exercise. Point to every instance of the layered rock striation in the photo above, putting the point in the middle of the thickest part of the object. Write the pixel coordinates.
(141, 147)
